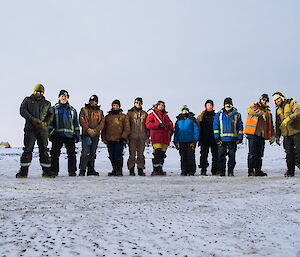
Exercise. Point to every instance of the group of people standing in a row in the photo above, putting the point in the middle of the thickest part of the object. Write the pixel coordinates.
(220, 132)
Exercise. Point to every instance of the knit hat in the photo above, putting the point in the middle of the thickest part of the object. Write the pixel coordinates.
(228, 100)
(94, 98)
(39, 88)
(139, 99)
(185, 107)
(277, 95)
(265, 96)
(209, 102)
(63, 92)
(116, 102)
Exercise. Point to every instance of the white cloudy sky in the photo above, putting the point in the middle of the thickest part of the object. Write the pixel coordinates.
(183, 52)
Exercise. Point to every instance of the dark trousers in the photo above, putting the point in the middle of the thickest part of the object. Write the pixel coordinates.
(30, 137)
(204, 150)
(291, 146)
(227, 148)
(187, 159)
(256, 147)
(88, 152)
(57, 144)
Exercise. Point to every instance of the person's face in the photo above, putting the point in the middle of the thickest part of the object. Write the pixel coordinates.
(161, 106)
(184, 111)
(264, 101)
(93, 103)
(209, 107)
(278, 101)
(38, 94)
(63, 99)
(228, 107)
(138, 104)
(115, 107)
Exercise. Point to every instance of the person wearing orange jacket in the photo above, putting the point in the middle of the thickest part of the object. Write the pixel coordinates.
(161, 131)
(258, 128)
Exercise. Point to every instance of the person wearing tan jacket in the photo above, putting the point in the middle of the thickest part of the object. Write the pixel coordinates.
(139, 136)
(288, 125)
(115, 132)
(91, 119)
(259, 127)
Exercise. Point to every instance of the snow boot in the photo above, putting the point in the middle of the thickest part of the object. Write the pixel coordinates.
(81, 173)
(251, 165)
(230, 173)
(203, 172)
(23, 173)
(119, 167)
(258, 171)
(92, 172)
(289, 174)
(48, 173)
(155, 172)
(141, 172)
(131, 172)
(72, 174)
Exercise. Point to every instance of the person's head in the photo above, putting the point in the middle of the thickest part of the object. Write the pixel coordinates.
(278, 98)
(161, 105)
(63, 96)
(116, 105)
(209, 105)
(228, 105)
(264, 99)
(138, 102)
(93, 101)
(185, 109)
(38, 91)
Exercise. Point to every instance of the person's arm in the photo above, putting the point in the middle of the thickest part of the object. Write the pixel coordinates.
(24, 110)
(216, 126)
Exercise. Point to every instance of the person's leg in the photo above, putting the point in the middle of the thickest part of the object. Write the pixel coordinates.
(222, 151)
(231, 157)
(191, 162)
(119, 147)
(26, 157)
(203, 158)
(85, 155)
(252, 155)
(92, 157)
(156, 158)
(133, 144)
(260, 154)
(71, 153)
(57, 144)
(111, 150)
(163, 156)
(183, 159)
(289, 147)
(297, 149)
(141, 157)
(214, 165)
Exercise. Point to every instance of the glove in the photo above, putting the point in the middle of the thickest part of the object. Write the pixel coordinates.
(170, 133)
(285, 122)
(219, 142)
(76, 139)
(44, 125)
(278, 141)
(161, 125)
(91, 132)
(147, 142)
(177, 146)
(37, 123)
(272, 140)
(239, 141)
(264, 117)
(193, 145)
(122, 140)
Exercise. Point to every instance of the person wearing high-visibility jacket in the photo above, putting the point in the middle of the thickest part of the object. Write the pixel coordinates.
(91, 119)
(259, 127)
(288, 126)
(64, 130)
(228, 132)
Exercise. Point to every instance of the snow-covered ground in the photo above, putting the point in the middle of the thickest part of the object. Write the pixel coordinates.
(149, 216)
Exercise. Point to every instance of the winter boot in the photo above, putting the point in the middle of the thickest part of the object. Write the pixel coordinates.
(203, 172)
(81, 173)
(141, 172)
(113, 164)
(289, 174)
(72, 174)
(155, 171)
(119, 167)
(23, 173)
(251, 164)
(92, 172)
(230, 172)
(131, 172)
(48, 173)
(258, 171)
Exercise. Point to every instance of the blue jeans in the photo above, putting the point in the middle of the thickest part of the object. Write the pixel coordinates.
(227, 148)
(88, 152)
(256, 147)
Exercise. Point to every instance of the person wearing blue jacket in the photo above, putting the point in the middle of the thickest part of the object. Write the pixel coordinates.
(228, 132)
(185, 139)
(64, 130)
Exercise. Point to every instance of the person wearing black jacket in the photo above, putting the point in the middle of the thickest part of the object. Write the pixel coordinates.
(37, 112)
(206, 138)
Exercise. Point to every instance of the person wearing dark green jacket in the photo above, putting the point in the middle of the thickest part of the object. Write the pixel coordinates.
(37, 112)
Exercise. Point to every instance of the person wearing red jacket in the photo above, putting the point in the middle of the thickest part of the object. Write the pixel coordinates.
(161, 131)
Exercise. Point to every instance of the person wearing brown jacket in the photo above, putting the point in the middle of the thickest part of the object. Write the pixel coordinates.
(91, 119)
(288, 125)
(138, 137)
(259, 127)
(115, 132)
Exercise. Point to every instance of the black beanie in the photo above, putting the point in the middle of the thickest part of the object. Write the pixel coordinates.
(140, 99)
(63, 92)
(116, 102)
(228, 100)
(209, 102)
(94, 98)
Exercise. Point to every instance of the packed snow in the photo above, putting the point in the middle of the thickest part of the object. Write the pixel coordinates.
(149, 216)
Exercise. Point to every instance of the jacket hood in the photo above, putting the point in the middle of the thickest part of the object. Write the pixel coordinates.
(183, 116)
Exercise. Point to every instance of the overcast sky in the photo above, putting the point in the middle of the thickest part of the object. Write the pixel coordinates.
(183, 52)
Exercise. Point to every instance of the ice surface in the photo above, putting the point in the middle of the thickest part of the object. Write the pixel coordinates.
(149, 216)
